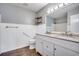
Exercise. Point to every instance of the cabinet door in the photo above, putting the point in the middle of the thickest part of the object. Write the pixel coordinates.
(61, 51)
(48, 48)
(39, 46)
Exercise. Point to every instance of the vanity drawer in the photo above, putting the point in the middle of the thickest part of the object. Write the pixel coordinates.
(67, 44)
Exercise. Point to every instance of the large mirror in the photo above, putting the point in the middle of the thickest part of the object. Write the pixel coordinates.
(64, 19)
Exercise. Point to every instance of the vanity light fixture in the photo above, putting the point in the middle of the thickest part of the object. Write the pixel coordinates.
(66, 3)
(48, 11)
(61, 5)
(56, 7)
(52, 9)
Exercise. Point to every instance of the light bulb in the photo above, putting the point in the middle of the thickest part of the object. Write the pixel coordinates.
(66, 3)
(48, 11)
(56, 7)
(52, 9)
(61, 5)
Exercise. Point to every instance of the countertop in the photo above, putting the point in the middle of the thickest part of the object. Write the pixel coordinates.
(62, 37)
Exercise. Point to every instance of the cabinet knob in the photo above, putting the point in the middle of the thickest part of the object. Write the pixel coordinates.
(47, 46)
(54, 48)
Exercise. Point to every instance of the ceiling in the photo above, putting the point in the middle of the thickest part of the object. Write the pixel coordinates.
(35, 7)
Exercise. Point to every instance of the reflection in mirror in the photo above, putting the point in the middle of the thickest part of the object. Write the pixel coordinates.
(56, 24)
(49, 24)
(61, 24)
(74, 23)
(64, 20)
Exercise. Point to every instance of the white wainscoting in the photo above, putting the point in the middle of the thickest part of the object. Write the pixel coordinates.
(13, 38)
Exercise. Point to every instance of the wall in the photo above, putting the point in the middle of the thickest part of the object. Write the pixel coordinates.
(41, 29)
(14, 14)
(61, 24)
(73, 12)
(14, 38)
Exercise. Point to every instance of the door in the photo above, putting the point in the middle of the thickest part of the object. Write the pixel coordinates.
(61, 51)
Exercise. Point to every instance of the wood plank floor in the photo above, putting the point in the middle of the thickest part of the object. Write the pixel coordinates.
(21, 52)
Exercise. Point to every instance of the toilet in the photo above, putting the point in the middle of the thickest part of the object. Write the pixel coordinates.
(32, 44)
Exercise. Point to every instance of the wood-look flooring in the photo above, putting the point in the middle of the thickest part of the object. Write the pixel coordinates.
(21, 52)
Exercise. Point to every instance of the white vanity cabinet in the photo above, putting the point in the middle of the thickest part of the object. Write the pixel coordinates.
(50, 46)
(44, 47)
(61, 51)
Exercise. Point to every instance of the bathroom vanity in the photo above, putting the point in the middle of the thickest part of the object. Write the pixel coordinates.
(56, 45)
(64, 37)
